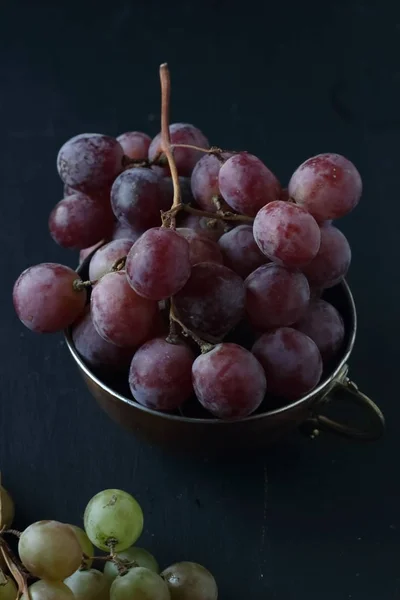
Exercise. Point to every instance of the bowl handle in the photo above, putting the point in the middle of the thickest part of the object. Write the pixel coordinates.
(350, 393)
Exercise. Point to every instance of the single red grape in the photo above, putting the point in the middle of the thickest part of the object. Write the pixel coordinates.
(287, 234)
(327, 185)
(135, 144)
(106, 256)
(90, 161)
(240, 250)
(94, 350)
(212, 301)
(119, 314)
(185, 158)
(201, 247)
(78, 221)
(204, 181)
(212, 228)
(324, 325)
(125, 231)
(276, 297)
(332, 261)
(186, 191)
(158, 264)
(137, 198)
(160, 375)
(45, 298)
(246, 184)
(291, 361)
(229, 381)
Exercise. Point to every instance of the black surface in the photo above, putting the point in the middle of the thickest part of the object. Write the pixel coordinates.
(288, 80)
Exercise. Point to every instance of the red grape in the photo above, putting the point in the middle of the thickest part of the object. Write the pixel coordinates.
(275, 297)
(160, 375)
(94, 350)
(185, 158)
(212, 228)
(205, 187)
(324, 325)
(201, 248)
(135, 144)
(84, 253)
(246, 184)
(106, 256)
(332, 261)
(229, 381)
(186, 190)
(90, 161)
(158, 264)
(327, 185)
(121, 316)
(287, 234)
(291, 360)
(212, 301)
(137, 198)
(240, 250)
(78, 221)
(45, 298)
(125, 232)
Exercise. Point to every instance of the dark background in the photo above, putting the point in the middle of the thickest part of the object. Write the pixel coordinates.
(286, 80)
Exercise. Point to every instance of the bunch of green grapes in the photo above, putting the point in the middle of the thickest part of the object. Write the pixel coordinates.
(60, 557)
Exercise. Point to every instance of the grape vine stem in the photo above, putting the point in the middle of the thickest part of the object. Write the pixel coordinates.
(165, 80)
(222, 216)
(204, 346)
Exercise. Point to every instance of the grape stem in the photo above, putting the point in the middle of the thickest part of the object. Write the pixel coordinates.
(12, 532)
(204, 346)
(222, 216)
(16, 569)
(165, 80)
(118, 265)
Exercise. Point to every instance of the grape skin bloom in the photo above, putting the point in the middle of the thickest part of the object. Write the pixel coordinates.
(291, 360)
(119, 314)
(229, 381)
(287, 234)
(45, 299)
(158, 264)
(90, 161)
(327, 185)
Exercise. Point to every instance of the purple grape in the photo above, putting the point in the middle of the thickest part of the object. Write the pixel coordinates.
(291, 361)
(45, 299)
(327, 185)
(90, 161)
(229, 381)
(160, 375)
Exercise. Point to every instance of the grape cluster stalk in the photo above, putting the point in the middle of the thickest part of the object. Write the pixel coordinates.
(55, 561)
(189, 245)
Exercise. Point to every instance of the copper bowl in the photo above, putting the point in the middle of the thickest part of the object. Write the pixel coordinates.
(262, 428)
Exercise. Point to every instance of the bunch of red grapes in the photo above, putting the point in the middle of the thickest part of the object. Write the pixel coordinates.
(175, 276)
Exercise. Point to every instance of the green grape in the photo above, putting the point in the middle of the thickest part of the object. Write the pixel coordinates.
(138, 555)
(88, 585)
(86, 544)
(139, 584)
(113, 518)
(50, 550)
(49, 590)
(190, 581)
(8, 589)
(7, 508)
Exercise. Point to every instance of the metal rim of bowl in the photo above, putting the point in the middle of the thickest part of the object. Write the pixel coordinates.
(214, 421)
